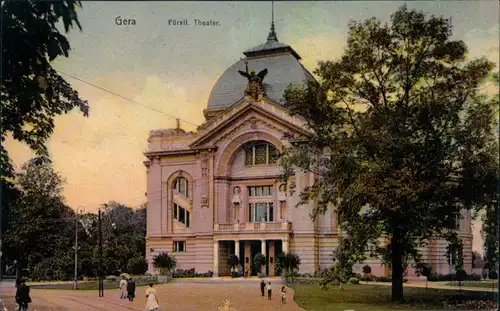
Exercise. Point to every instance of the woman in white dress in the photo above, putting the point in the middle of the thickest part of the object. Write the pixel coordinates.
(123, 288)
(152, 299)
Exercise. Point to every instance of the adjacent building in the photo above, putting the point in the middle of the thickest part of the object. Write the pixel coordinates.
(215, 192)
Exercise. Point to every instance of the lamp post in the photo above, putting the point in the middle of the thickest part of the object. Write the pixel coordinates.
(79, 210)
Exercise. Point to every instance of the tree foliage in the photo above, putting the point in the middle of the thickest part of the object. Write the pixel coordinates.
(402, 141)
(40, 230)
(164, 262)
(287, 263)
(32, 92)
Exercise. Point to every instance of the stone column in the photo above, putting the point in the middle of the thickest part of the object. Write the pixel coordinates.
(285, 246)
(237, 248)
(263, 252)
(248, 254)
(216, 258)
(272, 254)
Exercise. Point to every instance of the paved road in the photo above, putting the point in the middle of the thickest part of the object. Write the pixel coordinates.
(175, 296)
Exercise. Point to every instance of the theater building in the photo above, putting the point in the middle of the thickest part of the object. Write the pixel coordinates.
(215, 192)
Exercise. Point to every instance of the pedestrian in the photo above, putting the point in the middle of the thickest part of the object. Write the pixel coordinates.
(262, 287)
(123, 288)
(131, 289)
(283, 294)
(269, 291)
(152, 299)
(23, 296)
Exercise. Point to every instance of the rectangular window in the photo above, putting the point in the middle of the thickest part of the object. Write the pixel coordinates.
(182, 216)
(258, 191)
(265, 191)
(183, 186)
(176, 213)
(179, 246)
(188, 221)
(250, 212)
(271, 212)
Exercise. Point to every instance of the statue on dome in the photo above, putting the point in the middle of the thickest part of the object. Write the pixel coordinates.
(255, 89)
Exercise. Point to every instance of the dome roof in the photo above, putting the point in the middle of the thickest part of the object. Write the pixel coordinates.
(283, 66)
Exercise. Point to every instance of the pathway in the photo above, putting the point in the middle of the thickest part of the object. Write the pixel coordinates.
(244, 296)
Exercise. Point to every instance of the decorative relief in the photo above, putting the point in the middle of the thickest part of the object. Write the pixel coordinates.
(204, 182)
(236, 195)
(253, 121)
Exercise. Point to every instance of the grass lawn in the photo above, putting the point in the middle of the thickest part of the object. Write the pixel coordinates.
(378, 298)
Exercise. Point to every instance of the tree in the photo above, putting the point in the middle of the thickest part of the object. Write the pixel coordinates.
(401, 140)
(164, 262)
(367, 269)
(39, 227)
(489, 218)
(233, 262)
(259, 261)
(32, 92)
(137, 265)
(287, 263)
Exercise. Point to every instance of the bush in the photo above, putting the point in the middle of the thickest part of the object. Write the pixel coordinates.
(493, 275)
(191, 273)
(367, 278)
(354, 280)
(383, 279)
(476, 277)
(137, 265)
(453, 277)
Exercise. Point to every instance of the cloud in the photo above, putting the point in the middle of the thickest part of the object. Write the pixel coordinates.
(318, 48)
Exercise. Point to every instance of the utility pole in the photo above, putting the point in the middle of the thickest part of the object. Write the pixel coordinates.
(101, 285)
(79, 210)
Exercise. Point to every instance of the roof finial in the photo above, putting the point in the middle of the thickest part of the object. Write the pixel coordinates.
(178, 123)
(272, 33)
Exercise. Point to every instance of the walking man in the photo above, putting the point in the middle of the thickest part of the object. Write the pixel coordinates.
(123, 288)
(131, 289)
(262, 287)
(269, 291)
(23, 296)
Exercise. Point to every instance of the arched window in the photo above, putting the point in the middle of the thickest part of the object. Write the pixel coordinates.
(260, 152)
(181, 186)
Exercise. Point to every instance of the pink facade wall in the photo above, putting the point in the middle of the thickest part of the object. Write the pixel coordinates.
(213, 173)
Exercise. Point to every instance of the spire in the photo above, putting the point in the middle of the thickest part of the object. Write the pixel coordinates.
(272, 33)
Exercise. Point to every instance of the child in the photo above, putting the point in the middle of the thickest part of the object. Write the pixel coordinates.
(283, 294)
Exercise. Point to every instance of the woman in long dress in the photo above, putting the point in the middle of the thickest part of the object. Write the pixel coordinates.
(152, 299)
(123, 288)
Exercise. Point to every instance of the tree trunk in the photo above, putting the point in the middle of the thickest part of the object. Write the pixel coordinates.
(397, 270)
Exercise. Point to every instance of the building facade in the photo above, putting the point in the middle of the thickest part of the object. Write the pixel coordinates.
(216, 192)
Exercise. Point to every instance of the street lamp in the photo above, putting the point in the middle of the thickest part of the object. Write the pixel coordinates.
(80, 210)
(101, 280)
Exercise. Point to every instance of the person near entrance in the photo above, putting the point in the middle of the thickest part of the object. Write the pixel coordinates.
(262, 287)
(269, 291)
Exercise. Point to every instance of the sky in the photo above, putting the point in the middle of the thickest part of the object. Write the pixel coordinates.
(172, 69)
